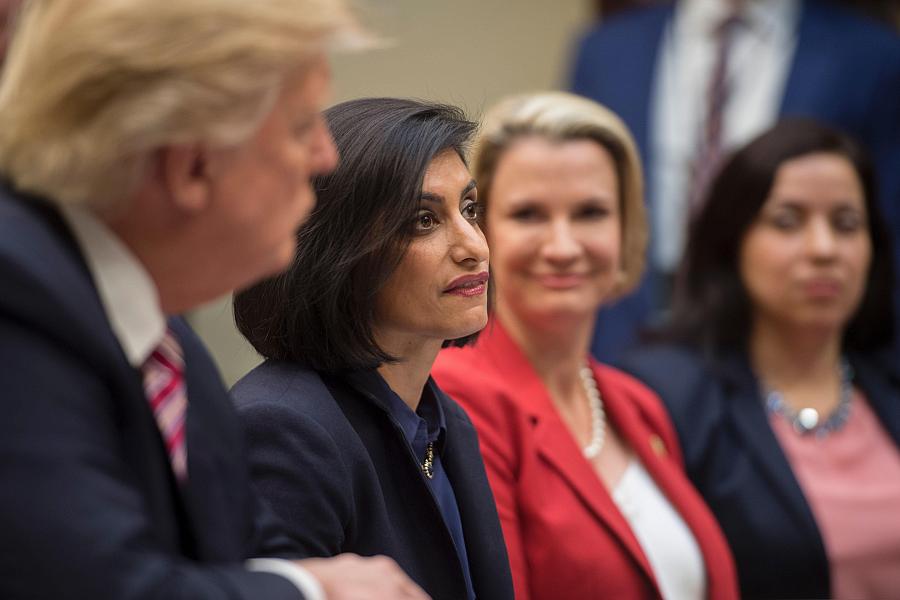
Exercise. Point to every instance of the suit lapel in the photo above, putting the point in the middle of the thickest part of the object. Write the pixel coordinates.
(78, 315)
(668, 476)
(558, 448)
(812, 65)
(485, 547)
(393, 460)
(748, 416)
(882, 395)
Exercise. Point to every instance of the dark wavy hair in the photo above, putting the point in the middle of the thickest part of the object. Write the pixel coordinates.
(320, 312)
(712, 310)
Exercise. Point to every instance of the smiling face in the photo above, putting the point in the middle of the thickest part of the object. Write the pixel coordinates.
(439, 290)
(805, 260)
(554, 229)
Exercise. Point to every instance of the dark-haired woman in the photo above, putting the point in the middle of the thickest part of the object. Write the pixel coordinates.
(350, 440)
(779, 379)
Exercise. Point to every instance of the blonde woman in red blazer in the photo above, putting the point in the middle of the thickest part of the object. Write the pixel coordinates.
(582, 459)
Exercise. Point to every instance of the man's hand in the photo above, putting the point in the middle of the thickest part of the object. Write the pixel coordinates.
(352, 577)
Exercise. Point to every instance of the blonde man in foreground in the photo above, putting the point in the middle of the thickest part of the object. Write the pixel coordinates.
(154, 155)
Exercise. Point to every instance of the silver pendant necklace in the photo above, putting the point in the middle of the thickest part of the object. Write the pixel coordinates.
(807, 420)
(598, 415)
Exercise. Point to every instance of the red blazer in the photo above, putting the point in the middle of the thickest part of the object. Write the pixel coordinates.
(565, 536)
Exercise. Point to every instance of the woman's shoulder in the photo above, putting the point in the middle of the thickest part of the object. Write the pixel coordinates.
(276, 380)
(484, 393)
(453, 361)
(675, 372)
(285, 392)
(464, 372)
(696, 390)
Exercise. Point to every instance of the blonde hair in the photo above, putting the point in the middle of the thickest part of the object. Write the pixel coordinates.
(561, 116)
(91, 88)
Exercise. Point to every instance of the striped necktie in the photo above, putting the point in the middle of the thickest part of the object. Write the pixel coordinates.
(710, 152)
(166, 392)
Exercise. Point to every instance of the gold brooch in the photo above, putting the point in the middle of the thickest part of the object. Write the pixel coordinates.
(428, 463)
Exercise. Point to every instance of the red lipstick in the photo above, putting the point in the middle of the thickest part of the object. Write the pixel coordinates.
(468, 285)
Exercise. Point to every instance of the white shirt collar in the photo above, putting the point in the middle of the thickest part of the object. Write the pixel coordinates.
(129, 295)
(767, 17)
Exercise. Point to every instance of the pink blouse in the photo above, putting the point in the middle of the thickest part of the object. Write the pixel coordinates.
(851, 479)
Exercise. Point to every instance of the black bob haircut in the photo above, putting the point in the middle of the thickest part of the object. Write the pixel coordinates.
(712, 309)
(321, 311)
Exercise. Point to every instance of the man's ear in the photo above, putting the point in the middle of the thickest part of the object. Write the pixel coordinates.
(186, 175)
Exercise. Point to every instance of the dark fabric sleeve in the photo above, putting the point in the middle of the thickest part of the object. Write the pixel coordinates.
(295, 464)
(73, 518)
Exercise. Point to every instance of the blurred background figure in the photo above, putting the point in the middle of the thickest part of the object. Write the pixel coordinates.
(698, 78)
(777, 373)
(350, 439)
(582, 459)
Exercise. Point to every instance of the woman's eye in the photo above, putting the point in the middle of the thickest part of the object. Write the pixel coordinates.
(593, 212)
(525, 215)
(471, 210)
(425, 222)
(847, 221)
(785, 220)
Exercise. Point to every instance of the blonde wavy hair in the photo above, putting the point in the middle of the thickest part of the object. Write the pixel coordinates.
(560, 116)
(91, 89)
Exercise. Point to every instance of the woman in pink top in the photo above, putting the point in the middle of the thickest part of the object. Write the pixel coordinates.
(780, 380)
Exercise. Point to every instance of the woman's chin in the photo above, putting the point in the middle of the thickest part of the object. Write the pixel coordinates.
(471, 324)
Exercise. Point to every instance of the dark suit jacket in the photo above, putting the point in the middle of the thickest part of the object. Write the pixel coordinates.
(845, 72)
(88, 505)
(341, 475)
(734, 459)
(565, 534)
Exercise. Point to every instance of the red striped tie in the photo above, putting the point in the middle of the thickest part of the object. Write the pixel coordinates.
(164, 386)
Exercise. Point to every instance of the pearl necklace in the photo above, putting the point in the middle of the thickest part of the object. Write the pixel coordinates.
(598, 415)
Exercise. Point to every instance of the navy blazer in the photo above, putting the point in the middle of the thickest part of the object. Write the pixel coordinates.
(341, 475)
(736, 462)
(89, 507)
(845, 72)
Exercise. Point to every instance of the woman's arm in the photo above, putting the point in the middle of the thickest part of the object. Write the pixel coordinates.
(297, 467)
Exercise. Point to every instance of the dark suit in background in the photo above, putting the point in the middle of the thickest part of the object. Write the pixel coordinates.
(736, 462)
(89, 507)
(340, 473)
(845, 72)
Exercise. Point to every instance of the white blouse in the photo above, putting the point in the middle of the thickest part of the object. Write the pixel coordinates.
(666, 540)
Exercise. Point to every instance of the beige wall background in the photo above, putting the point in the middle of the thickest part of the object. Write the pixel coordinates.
(467, 52)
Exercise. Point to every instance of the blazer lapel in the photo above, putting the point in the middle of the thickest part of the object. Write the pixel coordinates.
(881, 394)
(558, 448)
(813, 64)
(485, 546)
(673, 483)
(751, 423)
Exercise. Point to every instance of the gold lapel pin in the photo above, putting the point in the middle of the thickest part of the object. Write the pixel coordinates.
(658, 446)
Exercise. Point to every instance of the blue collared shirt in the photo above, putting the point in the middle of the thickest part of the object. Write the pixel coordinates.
(426, 424)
